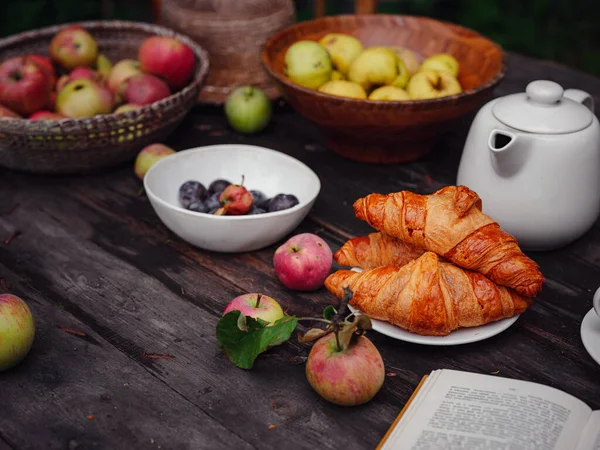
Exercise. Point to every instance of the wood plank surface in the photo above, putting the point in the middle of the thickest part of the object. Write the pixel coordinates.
(92, 256)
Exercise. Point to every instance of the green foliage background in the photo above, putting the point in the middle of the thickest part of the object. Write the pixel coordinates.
(560, 30)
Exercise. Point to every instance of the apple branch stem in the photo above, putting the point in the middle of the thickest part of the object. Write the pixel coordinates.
(258, 297)
(316, 319)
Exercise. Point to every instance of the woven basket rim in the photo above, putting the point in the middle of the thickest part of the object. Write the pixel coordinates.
(200, 73)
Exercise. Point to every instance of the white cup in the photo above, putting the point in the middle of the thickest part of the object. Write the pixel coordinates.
(597, 302)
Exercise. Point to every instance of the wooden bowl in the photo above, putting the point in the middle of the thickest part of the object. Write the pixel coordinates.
(83, 145)
(389, 131)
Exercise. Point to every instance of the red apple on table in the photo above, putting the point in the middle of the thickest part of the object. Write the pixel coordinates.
(84, 98)
(236, 201)
(345, 377)
(143, 89)
(148, 156)
(257, 306)
(121, 71)
(45, 64)
(5, 112)
(169, 59)
(17, 331)
(72, 47)
(303, 262)
(45, 115)
(24, 86)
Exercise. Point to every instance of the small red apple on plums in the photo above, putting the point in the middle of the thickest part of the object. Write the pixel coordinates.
(148, 156)
(121, 71)
(346, 377)
(17, 330)
(5, 112)
(236, 201)
(45, 115)
(72, 47)
(84, 98)
(303, 262)
(167, 58)
(257, 306)
(24, 86)
(143, 89)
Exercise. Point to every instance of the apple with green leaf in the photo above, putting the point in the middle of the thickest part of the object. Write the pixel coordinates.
(257, 306)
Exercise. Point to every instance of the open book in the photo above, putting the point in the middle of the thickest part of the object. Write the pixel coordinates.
(466, 411)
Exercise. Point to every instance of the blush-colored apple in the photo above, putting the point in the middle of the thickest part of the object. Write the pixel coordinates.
(148, 156)
(257, 306)
(143, 89)
(5, 112)
(46, 65)
(72, 47)
(45, 115)
(121, 71)
(24, 86)
(167, 58)
(17, 330)
(84, 98)
(126, 107)
(303, 262)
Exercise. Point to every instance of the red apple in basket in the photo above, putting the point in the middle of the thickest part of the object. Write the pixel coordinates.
(143, 89)
(126, 107)
(24, 86)
(121, 71)
(84, 73)
(5, 112)
(84, 98)
(169, 59)
(257, 306)
(346, 377)
(303, 262)
(45, 115)
(46, 65)
(148, 156)
(72, 47)
(17, 330)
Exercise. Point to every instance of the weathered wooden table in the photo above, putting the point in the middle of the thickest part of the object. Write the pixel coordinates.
(125, 355)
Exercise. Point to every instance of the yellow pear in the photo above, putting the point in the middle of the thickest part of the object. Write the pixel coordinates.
(308, 64)
(410, 59)
(442, 62)
(336, 75)
(403, 76)
(343, 50)
(342, 88)
(428, 84)
(375, 66)
(389, 93)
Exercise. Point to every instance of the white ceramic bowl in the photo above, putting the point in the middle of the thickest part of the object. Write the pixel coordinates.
(266, 170)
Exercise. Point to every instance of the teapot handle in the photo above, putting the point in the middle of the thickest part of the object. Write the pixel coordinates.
(580, 96)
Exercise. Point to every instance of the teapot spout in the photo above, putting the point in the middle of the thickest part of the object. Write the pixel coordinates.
(508, 150)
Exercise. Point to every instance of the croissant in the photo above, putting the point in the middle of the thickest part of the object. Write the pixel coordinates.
(450, 223)
(375, 250)
(427, 296)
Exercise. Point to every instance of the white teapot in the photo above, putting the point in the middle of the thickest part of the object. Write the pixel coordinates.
(534, 159)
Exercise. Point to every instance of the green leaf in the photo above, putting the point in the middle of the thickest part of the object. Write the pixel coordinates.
(329, 312)
(242, 346)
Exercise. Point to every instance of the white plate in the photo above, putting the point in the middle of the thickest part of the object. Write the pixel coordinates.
(457, 337)
(590, 334)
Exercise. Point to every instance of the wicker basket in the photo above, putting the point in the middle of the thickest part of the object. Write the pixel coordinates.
(233, 32)
(83, 145)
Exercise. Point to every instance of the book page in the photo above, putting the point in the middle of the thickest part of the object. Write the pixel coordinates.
(461, 410)
(590, 439)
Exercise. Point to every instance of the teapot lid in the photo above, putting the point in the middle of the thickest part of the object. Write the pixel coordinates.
(543, 109)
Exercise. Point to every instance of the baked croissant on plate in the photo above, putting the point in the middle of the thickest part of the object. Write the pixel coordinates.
(450, 223)
(375, 250)
(427, 296)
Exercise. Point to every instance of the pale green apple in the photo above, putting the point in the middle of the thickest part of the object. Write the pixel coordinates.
(428, 84)
(390, 93)
(343, 50)
(403, 76)
(442, 62)
(410, 59)
(342, 88)
(375, 66)
(308, 63)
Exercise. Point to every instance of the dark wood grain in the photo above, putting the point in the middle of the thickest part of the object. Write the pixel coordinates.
(93, 257)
